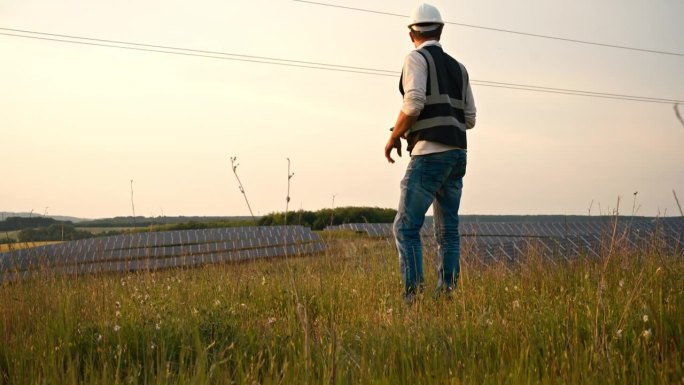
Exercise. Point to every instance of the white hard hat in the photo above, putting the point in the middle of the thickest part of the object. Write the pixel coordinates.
(425, 14)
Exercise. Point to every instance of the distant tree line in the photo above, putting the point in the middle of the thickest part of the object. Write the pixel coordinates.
(194, 225)
(318, 220)
(66, 231)
(54, 232)
(140, 221)
(20, 223)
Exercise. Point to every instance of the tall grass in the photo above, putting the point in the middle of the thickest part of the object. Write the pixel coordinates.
(338, 318)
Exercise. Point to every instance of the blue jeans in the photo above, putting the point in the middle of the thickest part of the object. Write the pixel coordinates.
(430, 179)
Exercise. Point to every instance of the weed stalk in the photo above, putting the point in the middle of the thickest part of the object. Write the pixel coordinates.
(234, 165)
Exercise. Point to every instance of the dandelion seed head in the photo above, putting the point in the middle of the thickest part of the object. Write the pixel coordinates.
(117, 328)
(645, 318)
(646, 334)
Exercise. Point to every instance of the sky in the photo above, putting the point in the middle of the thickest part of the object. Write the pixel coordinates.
(79, 122)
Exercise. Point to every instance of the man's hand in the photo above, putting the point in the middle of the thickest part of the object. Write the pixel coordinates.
(400, 128)
(392, 143)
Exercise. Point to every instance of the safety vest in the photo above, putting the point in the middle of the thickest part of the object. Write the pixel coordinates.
(442, 119)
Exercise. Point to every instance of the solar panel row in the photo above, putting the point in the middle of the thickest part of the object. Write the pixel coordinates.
(511, 241)
(165, 263)
(554, 229)
(162, 249)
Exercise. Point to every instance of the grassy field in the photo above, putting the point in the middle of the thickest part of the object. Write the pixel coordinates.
(338, 318)
(9, 235)
(23, 245)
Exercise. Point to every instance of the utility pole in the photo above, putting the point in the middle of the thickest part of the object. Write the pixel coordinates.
(332, 209)
(132, 204)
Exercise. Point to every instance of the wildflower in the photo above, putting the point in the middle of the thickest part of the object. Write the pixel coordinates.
(117, 304)
(516, 304)
(117, 314)
(157, 325)
(99, 337)
(153, 346)
(621, 283)
(645, 318)
(618, 333)
(117, 328)
(646, 334)
(271, 320)
(242, 305)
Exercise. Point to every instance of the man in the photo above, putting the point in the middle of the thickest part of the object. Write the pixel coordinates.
(437, 109)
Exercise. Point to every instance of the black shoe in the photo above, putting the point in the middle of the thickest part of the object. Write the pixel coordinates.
(446, 291)
(412, 295)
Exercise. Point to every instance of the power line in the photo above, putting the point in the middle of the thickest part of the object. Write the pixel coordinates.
(502, 30)
(254, 59)
(569, 91)
(313, 65)
(174, 48)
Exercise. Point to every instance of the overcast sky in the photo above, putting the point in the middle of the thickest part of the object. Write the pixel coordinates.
(79, 122)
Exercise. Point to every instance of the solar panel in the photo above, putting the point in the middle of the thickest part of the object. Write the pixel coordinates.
(160, 250)
(496, 241)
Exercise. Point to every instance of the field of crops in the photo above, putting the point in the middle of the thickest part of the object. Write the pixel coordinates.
(338, 318)
(23, 245)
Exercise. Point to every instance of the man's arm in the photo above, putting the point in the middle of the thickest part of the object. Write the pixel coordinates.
(469, 109)
(414, 81)
(404, 122)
